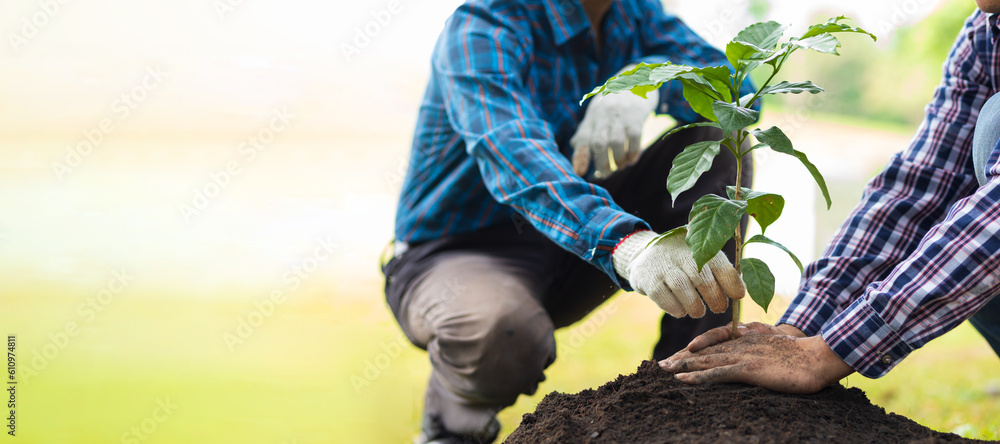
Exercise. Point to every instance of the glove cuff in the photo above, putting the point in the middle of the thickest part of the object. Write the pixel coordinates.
(628, 249)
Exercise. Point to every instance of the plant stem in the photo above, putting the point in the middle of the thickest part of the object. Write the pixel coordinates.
(738, 236)
(774, 71)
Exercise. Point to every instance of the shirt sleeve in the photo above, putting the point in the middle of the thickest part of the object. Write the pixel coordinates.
(666, 38)
(917, 256)
(480, 62)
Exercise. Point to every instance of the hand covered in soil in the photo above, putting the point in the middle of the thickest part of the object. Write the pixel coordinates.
(666, 272)
(779, 358)
(613, 122)
(718, 335)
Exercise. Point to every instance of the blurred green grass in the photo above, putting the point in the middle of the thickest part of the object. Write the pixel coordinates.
(334, 368)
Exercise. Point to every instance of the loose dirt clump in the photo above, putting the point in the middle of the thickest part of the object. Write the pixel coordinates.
(650, 406)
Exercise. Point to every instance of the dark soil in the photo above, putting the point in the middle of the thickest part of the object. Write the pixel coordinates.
(650, 406)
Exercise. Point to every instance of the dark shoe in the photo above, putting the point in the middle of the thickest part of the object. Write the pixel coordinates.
(433, 432)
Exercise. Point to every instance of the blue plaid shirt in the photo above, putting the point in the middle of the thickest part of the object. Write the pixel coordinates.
(921, 252)
(491, 142)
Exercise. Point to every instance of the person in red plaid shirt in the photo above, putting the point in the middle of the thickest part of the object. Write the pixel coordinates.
(512, 221)
(915, 258)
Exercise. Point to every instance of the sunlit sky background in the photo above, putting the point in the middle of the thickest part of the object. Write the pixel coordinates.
(230, 61)
(335, 173)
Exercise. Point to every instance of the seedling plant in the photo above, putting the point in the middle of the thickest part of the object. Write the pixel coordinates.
(713, 92)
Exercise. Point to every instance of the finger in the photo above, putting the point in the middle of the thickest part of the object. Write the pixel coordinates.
(711, 293)
(727, 277)
(686, 283)
(790, 330)
(696, 309)
(616, 142)
(717, 375)
(599, 150)
(714, 336)
(683, 354)
(761, 328)
(665, 299)
(632, 147)
(700, 362)
(685, 293)
(581, 160)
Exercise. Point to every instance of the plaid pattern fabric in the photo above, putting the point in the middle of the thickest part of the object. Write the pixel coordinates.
(491, 144)
(919, 254)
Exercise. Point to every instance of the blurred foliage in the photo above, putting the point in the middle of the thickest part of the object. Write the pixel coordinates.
(758, 9)
(891, 81)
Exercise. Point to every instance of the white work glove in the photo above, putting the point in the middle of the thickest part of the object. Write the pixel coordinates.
(666, 272)
(612, 122)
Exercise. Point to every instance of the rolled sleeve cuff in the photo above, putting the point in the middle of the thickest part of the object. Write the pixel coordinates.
(864, 340)
(807, 311)
(609, 228)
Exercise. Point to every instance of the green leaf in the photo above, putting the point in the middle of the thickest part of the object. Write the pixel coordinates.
(715, 74)
(825, 43)
(723, 89)
(642, 90)
(760, 238)
(626, 81)
(775, 138)
(765, 208)
(832, 26)
(777, 56)
(732, 117)
(718, 77)
(745, 193)
(697, 79)
(700, 98)
(737, 51)
(778, 141)
(738, 55)
(762, 35)
(715, 79)
(816, 176)
(681, 230)
(713, 221)
(784, 87)
(747, 54)
(759, 281)
(688, 126)
(701, 85)
(689, 165)
(669, 72)
(747, 57)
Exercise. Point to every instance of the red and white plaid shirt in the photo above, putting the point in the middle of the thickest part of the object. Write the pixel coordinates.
(921, 252)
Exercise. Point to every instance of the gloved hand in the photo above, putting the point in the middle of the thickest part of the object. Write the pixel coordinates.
(666, 272)
(612, 122)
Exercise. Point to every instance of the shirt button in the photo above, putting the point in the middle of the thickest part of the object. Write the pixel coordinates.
(887, 360)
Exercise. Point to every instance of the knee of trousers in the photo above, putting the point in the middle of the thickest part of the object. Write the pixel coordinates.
(496, 354)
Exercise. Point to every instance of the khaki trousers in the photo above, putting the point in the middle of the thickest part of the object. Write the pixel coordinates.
(485, 304)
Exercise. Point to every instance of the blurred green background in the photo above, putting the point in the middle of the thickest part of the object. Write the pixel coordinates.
(259, 317)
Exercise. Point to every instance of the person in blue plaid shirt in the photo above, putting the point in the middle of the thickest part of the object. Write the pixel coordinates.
(915, 258)
(512, 221)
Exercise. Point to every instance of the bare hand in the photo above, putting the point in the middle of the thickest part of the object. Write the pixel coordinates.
(719, 335)
(761, 356)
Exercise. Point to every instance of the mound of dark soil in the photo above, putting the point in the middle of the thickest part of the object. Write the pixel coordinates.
(650, 406)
